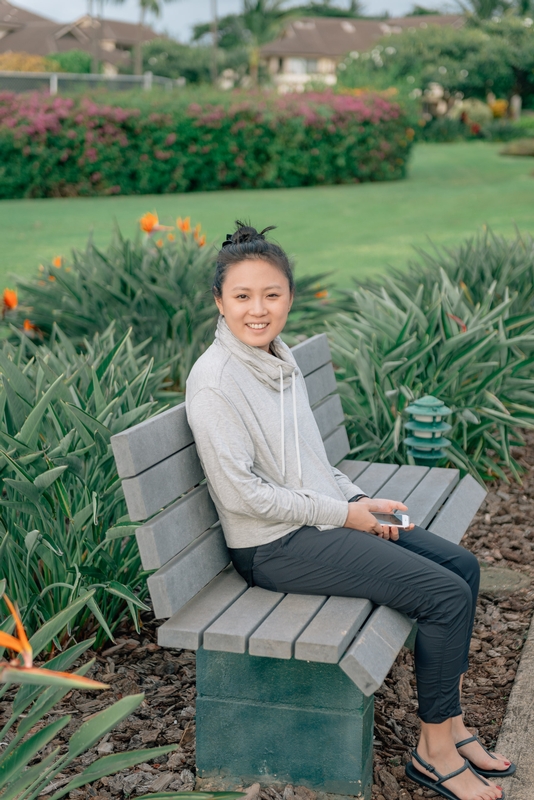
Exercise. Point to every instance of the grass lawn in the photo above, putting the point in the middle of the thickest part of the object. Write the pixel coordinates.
(452, 190)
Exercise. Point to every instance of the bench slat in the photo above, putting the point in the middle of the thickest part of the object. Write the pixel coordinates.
(231, 631)
(312, 354)
(151, 441)
(369, 659)
(162, 484)
(321, 383)
(332, 629)
(172, 586)
(185, 628)
(455, 516)
(337, 445)
(429, 495)
(403, 482)
(352, 469)
(329, 415)
(375, 476)
(275, 636)
(168, 533)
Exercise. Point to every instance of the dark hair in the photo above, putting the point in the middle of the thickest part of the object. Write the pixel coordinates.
(247, 243)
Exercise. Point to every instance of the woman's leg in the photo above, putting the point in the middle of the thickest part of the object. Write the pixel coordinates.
(352, 563)
(463, 563)
(451, 556)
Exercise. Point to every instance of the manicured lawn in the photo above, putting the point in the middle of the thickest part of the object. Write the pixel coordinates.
(452, 190)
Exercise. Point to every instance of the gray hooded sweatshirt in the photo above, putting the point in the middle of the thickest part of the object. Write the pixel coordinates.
(259, 444)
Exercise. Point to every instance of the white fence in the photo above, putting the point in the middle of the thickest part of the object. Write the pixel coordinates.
(55, 82)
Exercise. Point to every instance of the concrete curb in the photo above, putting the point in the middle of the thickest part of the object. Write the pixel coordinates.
(516, 740)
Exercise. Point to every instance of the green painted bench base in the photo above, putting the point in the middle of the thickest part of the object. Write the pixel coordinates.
(280, 721)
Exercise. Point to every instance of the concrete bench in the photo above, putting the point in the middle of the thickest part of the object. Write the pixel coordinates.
(285, 682)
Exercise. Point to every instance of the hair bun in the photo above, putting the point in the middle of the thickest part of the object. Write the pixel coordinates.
(244, 234)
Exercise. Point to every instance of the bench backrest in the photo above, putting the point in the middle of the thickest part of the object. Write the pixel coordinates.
(164, 486)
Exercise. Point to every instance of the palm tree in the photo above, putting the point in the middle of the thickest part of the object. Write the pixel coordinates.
(145, 7)
(263, 21)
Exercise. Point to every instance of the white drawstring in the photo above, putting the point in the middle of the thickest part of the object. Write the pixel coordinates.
(282, 424)
(295, 424)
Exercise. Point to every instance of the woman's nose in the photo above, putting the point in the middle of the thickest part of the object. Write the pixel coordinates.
(258, 307)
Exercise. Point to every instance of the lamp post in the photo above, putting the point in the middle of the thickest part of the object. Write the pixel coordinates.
(425, 442)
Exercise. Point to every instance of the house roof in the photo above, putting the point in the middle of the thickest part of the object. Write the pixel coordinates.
(43, 37)
(13, 17)
(333, 37)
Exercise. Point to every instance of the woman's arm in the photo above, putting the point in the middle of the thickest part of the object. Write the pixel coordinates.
(348, 488)
(227, 455)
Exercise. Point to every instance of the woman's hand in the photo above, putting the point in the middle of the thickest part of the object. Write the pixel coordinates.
(360, 517)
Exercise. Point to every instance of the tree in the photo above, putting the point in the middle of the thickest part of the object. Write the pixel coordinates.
(327, 9)
(483, 56)
(145, 7)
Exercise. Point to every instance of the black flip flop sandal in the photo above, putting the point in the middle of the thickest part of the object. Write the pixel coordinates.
(437, 785)
(487, 773)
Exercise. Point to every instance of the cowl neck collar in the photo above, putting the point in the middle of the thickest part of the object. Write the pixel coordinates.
(266, 367)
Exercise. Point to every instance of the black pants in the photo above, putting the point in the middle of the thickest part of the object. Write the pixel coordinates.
(422, 575)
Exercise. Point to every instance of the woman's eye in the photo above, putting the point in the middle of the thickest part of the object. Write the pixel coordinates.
(241, 297)
(273, 295)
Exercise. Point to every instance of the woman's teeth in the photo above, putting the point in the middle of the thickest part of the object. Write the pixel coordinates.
(257, 326)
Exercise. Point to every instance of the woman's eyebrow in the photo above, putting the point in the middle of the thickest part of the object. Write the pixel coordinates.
(247, 289)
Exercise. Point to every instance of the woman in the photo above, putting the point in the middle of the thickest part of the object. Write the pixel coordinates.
(294, 523)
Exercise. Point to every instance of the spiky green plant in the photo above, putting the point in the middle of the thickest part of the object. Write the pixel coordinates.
(483, 265)
(61, 504)
(392, 346)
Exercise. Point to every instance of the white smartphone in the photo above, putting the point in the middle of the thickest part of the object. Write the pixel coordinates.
(395, 520)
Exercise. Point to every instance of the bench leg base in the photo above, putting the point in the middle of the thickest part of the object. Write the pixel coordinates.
(277, 721)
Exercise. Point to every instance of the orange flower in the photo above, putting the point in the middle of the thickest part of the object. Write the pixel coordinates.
(159, 243)
(184, 224)
(51, 277)
(11, 299)
(29, 326)
(149, 222)
(171, 237)
(321, 294)
(202, 240)
(15, 672)
(57, 262)
(198, 228)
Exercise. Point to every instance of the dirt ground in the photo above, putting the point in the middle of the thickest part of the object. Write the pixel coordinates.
(502, 534)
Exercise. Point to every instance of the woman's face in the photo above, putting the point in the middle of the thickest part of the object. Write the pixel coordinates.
(255, 302)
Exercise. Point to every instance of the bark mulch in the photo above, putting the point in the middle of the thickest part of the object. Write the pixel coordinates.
(502, 534)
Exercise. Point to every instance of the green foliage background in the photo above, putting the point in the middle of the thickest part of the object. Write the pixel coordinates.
(480, 57)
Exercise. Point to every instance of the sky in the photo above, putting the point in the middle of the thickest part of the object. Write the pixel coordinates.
(179, 15)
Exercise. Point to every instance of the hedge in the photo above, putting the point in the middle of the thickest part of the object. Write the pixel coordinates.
(61, 147)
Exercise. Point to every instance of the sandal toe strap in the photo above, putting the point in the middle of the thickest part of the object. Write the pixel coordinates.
(475, 739)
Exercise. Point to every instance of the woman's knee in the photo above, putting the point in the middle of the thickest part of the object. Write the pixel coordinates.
(470, 568)
(452, 600)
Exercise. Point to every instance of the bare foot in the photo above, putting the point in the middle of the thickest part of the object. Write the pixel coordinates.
(474, 751)
(467, 785)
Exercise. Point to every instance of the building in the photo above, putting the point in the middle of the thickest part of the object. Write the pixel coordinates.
(311, 48)
(24, 32)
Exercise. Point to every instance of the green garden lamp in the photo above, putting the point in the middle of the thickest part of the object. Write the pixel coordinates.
(425, 442)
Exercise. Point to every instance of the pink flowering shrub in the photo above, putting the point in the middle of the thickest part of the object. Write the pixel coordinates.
(52, 147)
